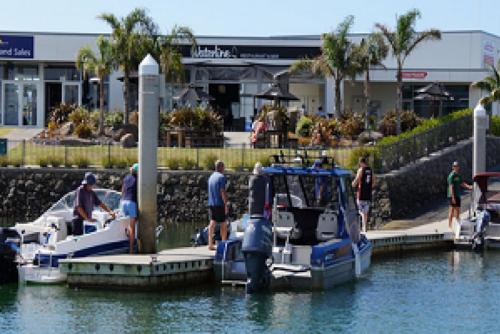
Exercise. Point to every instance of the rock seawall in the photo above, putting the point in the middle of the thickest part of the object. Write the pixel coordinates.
(25, 193)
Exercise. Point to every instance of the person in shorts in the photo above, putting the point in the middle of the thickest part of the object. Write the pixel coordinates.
(217, 203)
(454, 189)
(363, 183)
(129, 203)
(85, 201)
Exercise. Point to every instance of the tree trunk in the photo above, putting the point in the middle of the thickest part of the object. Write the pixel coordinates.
(399, 98)
(367, 97)
(338, 101)
(101, 106)
(126, 95)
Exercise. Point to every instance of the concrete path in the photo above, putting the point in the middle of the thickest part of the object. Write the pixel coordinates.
(236, 139)
(17, 135)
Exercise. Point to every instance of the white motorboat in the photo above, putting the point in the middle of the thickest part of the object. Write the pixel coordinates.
(45, 241)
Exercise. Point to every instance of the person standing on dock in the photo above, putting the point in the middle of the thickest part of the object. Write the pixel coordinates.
(455, 185)
(364, 183)
(129, 202)
(85, 201)
(217, 203)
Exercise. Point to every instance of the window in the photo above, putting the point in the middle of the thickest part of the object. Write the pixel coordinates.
(20, 72)
(68, 73)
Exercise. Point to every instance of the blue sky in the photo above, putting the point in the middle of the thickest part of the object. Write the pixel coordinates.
(249, 17)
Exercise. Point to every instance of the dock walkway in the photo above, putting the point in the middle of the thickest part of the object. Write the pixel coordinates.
(188, 266)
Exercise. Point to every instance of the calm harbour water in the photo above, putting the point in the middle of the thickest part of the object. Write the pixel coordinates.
(418, 293)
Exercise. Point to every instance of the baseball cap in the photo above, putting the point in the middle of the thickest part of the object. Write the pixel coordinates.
(135, 167)
(456, 164)
(89, 179)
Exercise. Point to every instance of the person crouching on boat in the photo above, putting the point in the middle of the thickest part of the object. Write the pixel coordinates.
(85, 201)
(258, 198)
(364, 183)
(129, 202)
(217, 203)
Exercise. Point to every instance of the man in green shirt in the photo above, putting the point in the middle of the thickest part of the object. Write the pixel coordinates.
(455, 185)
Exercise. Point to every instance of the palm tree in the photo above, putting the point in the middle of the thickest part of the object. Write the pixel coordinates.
(491, 84)
(334, 60)
(371, 51)
(131, 38)
(402, 42)
(97, 64)
(170, 54)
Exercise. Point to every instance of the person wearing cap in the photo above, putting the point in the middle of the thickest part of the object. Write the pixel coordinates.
(217, 203)
(258, 188)
(455, 185)
(85, 201)
(129, 202)
(364, 181)
(321, 191)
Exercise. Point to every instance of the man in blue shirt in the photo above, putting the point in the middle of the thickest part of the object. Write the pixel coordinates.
(129, 202)
(217, 203)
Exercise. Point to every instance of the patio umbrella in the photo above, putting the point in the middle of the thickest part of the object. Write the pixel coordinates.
(434, 92)
(275, 94)
(192, 96)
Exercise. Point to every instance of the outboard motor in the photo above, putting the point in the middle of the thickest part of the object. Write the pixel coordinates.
(482, 220)
(257, 248)
(9, 247)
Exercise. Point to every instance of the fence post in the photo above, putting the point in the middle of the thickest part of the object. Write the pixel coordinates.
(242, 156)
(197, 157)
(65, 155)
(23, 154)
(109, 153)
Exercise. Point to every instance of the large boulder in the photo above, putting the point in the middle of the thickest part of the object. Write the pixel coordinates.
(132, 129)
(127, 141)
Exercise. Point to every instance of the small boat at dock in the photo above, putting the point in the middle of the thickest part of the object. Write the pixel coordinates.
(304, 245)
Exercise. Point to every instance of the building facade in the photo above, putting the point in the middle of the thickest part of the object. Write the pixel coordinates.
(37, 72)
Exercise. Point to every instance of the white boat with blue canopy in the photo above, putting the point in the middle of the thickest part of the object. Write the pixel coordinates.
(304, 244)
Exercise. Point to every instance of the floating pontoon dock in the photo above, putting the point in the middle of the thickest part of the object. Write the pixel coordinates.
(188, 266)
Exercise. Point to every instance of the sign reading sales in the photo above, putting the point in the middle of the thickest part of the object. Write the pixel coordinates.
(16, 46)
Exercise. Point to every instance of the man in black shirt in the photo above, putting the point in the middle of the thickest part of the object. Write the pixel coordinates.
(364, 182)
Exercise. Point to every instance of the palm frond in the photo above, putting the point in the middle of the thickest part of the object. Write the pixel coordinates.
(425, 35)
(483, 85)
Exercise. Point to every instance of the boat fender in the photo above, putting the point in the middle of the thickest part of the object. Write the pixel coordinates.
(357, 260)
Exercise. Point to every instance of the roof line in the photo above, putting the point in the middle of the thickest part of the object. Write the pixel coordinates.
(271, 37)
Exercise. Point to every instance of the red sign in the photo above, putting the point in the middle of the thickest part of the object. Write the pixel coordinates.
(414, 75)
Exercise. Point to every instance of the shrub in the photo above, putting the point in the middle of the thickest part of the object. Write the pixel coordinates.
(173, 163)
(495, 126)
(4, 161)
(113, 119)
(80, 116)
(209, 161)
(371, 153)
(304, 127)
(188, 164)
(351, 124)
(60, 114)
(426, 125)
(119, 163)
(43, 161)
(198, 119)
(81, 162)
(55, 161)
(16, 162)
(409, 120)
(83, 131)
(107, 163)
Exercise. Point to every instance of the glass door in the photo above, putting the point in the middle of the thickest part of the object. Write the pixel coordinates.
(29, 104)
(10, 103)
(71, 93)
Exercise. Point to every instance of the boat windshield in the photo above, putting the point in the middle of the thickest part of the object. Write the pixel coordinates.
(313, 191)
(109, 197)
